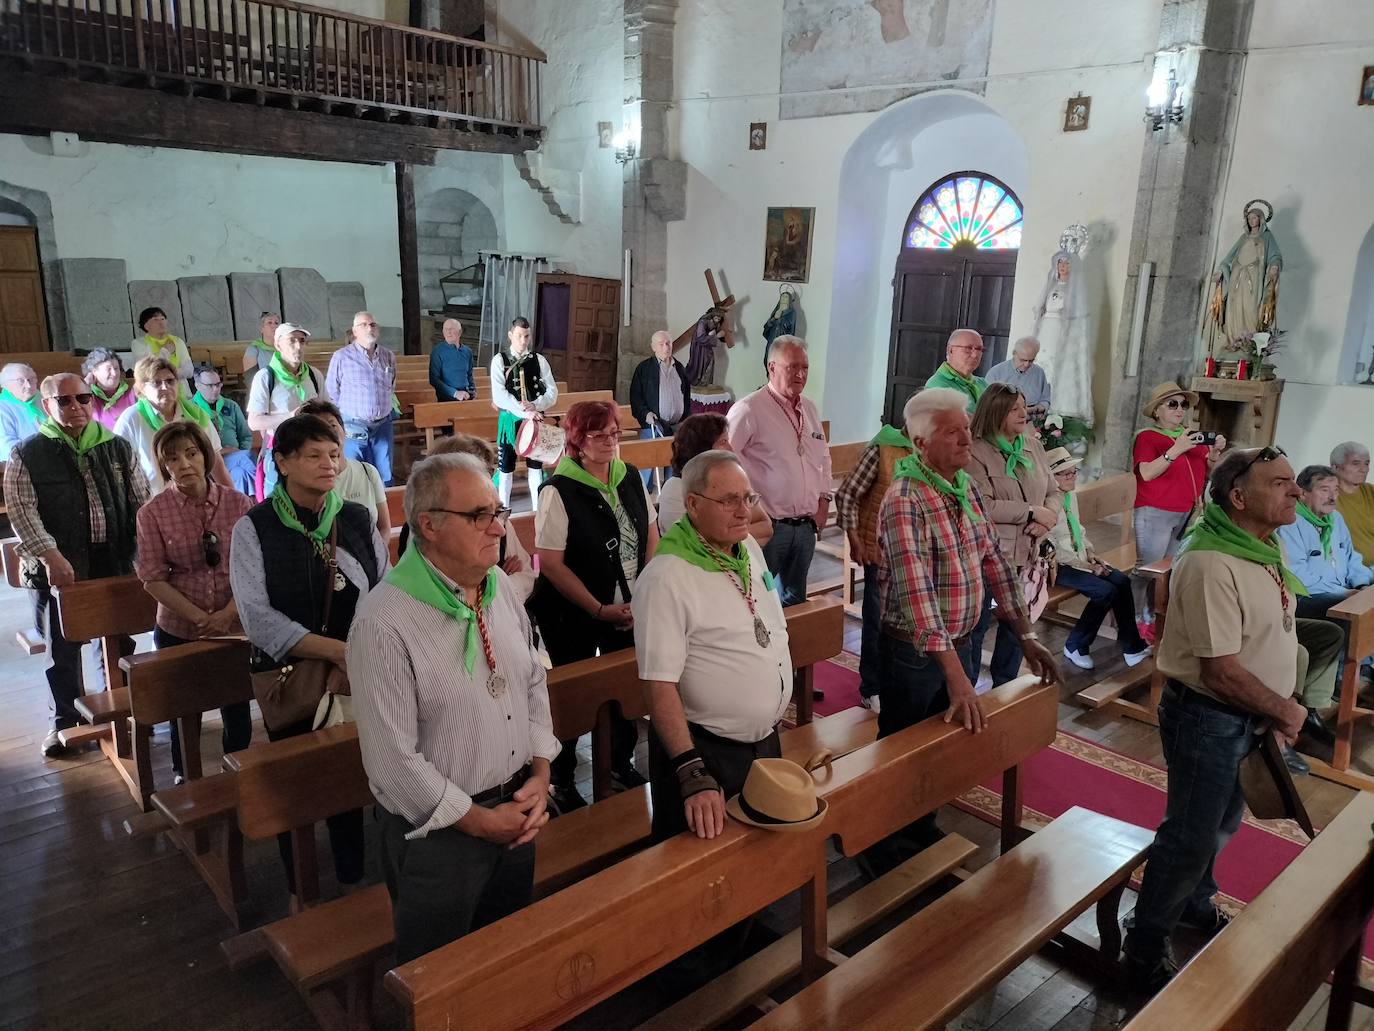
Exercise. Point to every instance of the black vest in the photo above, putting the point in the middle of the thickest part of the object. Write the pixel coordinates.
(296, 574)
(63, 505)
(592, 553)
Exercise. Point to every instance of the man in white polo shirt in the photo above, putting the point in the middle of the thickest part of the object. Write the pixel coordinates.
(711, 640)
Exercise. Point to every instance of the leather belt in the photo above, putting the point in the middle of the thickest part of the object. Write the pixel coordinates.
(905, 637)
(796, 521)
(503, 791)
(1195, 697)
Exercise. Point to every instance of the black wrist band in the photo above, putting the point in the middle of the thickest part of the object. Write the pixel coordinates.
(685, 757)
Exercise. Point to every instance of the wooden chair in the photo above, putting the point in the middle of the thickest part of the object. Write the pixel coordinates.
(1309, 922)
(106, 610)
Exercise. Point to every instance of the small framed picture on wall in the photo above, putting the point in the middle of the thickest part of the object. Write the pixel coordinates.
(1367, 85)
(1076, 113)
(758, 135)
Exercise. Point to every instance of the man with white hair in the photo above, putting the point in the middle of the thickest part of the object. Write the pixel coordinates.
(450, 365)
(781, 444)
(1021, 372)
(20, 412)
(660, 394)
(938, 549)
(963, 355)
(711, 640)
(1355, 502)
(453, 716)
(362, 381)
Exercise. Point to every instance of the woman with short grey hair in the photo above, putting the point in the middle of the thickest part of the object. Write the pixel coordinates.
(104, 371)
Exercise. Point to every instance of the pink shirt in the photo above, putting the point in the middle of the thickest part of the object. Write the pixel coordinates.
(784, 451)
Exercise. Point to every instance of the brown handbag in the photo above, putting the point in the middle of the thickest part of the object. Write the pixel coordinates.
(291, 694)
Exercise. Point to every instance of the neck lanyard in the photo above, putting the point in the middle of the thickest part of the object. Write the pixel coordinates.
(496, 683)
(1283, 597)
(746, 589)
(799, 425)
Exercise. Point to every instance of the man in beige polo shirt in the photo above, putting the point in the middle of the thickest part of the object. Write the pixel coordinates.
(1231, 653)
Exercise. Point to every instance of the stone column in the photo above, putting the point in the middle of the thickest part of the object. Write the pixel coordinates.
(1182, 168)
(655, 186)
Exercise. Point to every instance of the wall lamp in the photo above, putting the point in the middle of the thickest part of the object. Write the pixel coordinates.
(1164, 100)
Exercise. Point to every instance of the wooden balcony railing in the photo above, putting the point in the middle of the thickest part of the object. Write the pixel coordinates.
(280, 52)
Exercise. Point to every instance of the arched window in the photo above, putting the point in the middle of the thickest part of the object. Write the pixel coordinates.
(966, 208)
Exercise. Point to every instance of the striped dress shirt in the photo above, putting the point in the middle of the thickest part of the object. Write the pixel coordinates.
(432, 735)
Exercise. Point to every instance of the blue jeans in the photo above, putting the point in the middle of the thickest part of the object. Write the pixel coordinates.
(371, 442)
(1006, 652)
(243, 470)
(1110, 593)
(869, 666)
(788, 556)
(1203, 747)
(654, 433)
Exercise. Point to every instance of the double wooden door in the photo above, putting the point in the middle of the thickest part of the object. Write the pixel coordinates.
(934, 293)
(578, 329)
(23, 324)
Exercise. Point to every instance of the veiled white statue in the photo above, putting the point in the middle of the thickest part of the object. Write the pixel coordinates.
(1064, 328)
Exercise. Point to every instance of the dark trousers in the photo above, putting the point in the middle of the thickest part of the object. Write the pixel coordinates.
(565, 648)
(449, 883)
(345, 829)
(1203, 746)
(869, 678)
(726, 760)
(1006, 652)
(237, 717)
(506, 458)
(65, 681)
(788, 555)
(912, 689)
(1110, 593)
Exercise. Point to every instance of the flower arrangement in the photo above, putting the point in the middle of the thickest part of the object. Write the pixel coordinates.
(1065, 431)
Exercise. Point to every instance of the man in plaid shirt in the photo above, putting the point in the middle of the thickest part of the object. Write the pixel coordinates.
(362, 381)
(936, 547)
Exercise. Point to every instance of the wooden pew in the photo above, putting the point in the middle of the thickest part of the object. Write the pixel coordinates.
(105, 610)
(1261, 970)
(46, 363)
(1098, 502)
(1357, 612)
(181, 684)
(544, 965)
(30, 641)
(457, 414)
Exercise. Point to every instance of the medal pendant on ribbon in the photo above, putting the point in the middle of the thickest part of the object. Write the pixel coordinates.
(1287, 623)
(761, 633)
(339, 582)
(496, 684)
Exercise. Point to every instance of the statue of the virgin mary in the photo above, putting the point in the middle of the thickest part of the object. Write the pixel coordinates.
(1246, 296)
(1064, 328)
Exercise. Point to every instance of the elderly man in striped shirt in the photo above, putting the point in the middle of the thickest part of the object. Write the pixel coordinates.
(453, 715)
(936, 549)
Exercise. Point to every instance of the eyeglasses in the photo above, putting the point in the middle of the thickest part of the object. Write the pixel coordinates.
(733, 500)
(209, 542)
(1264, 454)
(65, 401)
(481, 518)
(604, 436)
(1175, 403)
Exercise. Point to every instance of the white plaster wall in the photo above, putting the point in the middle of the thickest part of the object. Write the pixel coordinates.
(171, 213)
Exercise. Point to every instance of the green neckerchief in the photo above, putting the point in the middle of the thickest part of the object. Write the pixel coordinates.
(683, 540)
(1325, 525)
(913, 467)
(190, 413)
(120, 391)
(416, 577)
(1015, 452)
(94, 434)
(294, 381)
(890, 436)
(1075, 527)
(969, 384)
(569, 468)
(1216, 532)
(286, 512)
(34, 408)
(1173, 434)
(155, 347)
(199, 401)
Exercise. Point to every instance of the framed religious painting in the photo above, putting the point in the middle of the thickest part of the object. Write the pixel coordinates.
(787, 245)
(1367, 85)
(758, 135)
(1076, 113)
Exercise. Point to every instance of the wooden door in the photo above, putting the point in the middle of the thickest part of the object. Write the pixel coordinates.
(23, 324)
(934, 293)
(594, 328)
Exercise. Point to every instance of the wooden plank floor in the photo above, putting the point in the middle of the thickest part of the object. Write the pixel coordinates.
(98, 930)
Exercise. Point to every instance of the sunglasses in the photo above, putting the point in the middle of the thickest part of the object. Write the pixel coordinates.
(1264, 454)
(66, 400)
(1176, 403)
(209, 542)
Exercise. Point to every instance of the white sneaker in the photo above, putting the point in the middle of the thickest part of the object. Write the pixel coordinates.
(1080, 659)
(1136, 658)
(875, 702)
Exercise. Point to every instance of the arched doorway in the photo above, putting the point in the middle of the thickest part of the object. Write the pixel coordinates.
(956, 267)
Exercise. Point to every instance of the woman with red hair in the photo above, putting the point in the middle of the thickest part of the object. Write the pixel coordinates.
(594, 531)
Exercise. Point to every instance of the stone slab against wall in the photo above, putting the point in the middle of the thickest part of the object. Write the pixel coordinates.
(345, 301)
(205, 308)
(93, 296)
(305, 299)
(251, 294)
(157, 293)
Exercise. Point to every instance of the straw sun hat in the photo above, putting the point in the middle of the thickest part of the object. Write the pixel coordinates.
(780, 795)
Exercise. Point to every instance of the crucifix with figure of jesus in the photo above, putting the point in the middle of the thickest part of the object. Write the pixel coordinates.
(712, 328)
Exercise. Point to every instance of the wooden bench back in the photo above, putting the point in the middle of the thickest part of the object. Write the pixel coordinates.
(9, 551)
(522, 525)
(187, 680)
(844, 457)
(1263, 969)
(647, 454)
(445, 413)
(46, 363)
(299, 781)
(1109, 496)
(108, 607)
